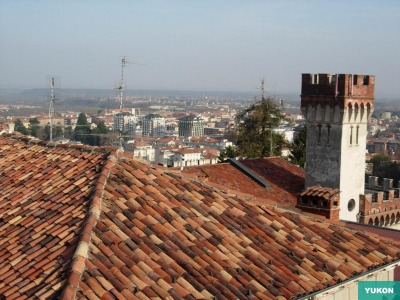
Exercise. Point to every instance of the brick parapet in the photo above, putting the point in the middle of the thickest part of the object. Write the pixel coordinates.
(380, 203)
(337, 89)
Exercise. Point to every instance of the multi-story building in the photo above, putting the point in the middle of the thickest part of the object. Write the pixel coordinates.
(153, 125)
(184, 157)
(125, 122)
(191, 126)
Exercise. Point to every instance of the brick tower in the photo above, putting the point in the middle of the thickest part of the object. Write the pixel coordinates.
(337, 108)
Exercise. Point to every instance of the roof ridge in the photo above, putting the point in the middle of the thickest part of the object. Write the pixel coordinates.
(93, 214)
(35, 141)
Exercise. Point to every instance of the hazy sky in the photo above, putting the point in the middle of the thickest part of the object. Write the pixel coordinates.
(198, 45)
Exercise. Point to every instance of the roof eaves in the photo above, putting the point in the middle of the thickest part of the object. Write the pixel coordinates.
(82, 251)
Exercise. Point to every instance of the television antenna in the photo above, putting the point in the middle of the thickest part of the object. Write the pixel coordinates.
(121, 89)
(51, 108)
(121, 86)
(262, 89)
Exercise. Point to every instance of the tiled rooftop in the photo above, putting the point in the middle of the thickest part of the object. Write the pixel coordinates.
(226, 177)
(284, 179)
(162, 235)
(43, 200)
(125, 230)
(280, 173)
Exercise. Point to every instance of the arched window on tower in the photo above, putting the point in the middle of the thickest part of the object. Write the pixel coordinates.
(357, 132)
(319, 134)
(328, 139)
(351, 135)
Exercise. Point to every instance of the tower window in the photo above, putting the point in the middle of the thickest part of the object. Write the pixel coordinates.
(351, 135)
(329, 134)
(351, 205)
(319, 133)
(357, 130)
(366, 80)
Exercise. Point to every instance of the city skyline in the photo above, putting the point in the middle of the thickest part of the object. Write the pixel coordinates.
(199, 46)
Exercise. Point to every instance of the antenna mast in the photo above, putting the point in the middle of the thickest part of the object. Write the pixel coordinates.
(51, 109)
(262, 89)
(121, 86)
(121, 99)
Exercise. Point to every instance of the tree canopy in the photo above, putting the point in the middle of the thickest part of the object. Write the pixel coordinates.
(228, 152)
(256, 137)
(298, 148)
(99, 137)
(34, 127)
(82, 130)
(20, 127)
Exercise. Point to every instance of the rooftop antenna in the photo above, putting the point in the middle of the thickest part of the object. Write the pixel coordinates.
(262, 90)
(121, 89)
(121, 85)
(51, 108)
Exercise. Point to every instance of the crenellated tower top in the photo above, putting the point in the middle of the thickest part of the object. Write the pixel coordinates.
(337, 91)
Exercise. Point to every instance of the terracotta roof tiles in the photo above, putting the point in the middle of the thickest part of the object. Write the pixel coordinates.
(130, 231)
(215, 245)
(284, 179)
(34, 210)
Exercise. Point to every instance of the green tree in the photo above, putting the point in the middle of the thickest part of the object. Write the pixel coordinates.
(82, 130)
(46, 132)
(20, 127)
(58, 132)
(228, 152)
(99, 134)
(298, 148)
(34, 127)
(68, 132)
(255, 124)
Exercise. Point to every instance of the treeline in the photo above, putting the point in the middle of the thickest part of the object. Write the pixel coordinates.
(83, 131)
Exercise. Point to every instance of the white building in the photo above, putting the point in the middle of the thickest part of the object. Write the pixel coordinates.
(153, 125)
(184, 157)
(125, 122)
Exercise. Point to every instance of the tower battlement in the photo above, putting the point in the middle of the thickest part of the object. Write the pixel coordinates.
(337, 89)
